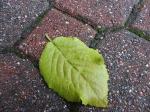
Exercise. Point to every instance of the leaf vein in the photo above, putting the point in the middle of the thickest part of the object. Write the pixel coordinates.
(74, 67)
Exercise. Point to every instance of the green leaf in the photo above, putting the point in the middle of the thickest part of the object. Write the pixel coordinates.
(75, 72)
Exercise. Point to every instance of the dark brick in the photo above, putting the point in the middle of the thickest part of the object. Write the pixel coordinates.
(104, 13)
(22, 88)
(142, 21)
(55, 24)
(16, 16)
(128, 60)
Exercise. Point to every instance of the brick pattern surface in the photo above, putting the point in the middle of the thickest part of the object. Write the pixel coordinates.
(22, 88)
(142, 21)
(127, 55)
(55, 24)
(104, 13)
(15, 16)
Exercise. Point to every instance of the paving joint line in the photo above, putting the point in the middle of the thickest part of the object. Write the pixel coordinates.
(34, 24)
(24, 33)
(140, 33)
(101, 35)
(19, 54)
(134, 13)
(78, 18)
(132, 17)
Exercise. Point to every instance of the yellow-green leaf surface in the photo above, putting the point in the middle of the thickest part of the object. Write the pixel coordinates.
(75, 71)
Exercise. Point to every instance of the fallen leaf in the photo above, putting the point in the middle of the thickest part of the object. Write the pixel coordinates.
(75, 71)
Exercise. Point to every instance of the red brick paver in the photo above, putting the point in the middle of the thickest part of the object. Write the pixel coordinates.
(55, 24)
(104, 13)
(22, 88)
(142, 21)
(16, 16)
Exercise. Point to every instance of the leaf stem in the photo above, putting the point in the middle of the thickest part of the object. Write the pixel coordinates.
(46, 35)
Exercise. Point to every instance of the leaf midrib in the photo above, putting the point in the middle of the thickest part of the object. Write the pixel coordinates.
(74, 67)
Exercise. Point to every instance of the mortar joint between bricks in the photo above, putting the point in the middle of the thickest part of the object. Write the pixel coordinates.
(79, 18)
(19, 54)
(140, 33)
(134, 13)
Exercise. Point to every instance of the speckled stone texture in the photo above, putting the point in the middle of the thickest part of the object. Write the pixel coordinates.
(101, 13)
(22, 89)
(55, 24)
(127, 56)
(15, 16)
(142, 21)
(128, 61)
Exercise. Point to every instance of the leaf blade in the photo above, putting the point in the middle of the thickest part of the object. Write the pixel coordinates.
(77, 81)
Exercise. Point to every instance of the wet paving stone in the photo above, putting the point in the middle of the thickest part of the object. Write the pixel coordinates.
(128, 61)
(23, 90)
(55, 24)
(142, 21)
(16, 16)
(101, 13)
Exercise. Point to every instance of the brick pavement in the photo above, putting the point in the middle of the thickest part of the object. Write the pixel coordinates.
(101, 24)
